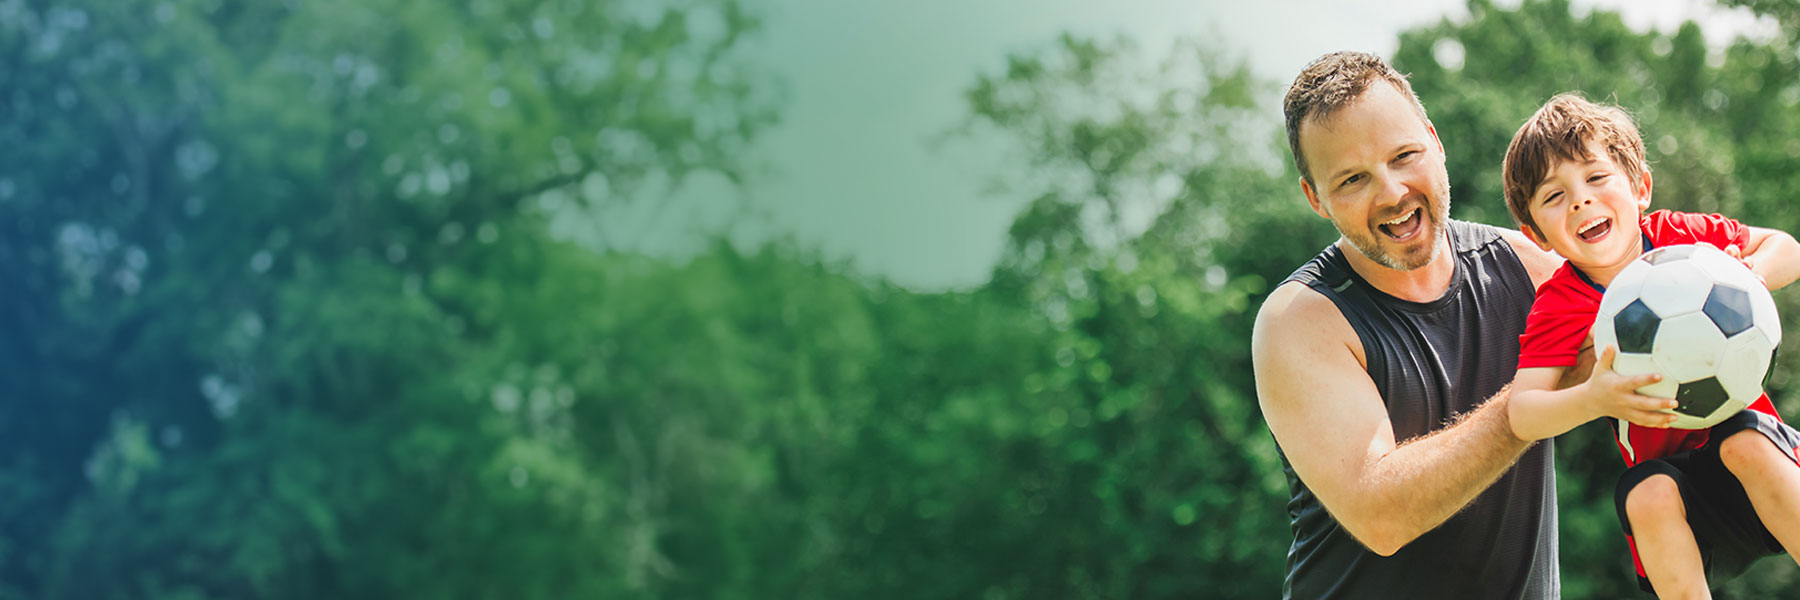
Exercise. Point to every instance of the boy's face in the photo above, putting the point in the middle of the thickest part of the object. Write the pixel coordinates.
(1588, 211)
(1378, 176)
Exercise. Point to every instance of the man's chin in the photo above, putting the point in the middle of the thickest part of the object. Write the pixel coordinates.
(1413, 254)
(1414, 258)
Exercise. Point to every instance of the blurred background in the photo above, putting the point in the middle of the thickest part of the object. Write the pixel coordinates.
(726, 299)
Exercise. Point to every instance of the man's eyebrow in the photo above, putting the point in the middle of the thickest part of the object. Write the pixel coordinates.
(1418, 145)
(1341, 173)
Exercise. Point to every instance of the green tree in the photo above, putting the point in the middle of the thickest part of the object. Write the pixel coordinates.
(1156, 186)
(252, 344)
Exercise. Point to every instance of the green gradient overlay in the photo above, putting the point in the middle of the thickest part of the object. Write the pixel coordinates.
(506, 299)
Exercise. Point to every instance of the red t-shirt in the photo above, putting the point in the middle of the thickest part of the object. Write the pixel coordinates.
(1564, 312)
(1565, 308)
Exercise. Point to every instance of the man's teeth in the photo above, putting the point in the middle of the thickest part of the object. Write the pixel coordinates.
(1401, 219)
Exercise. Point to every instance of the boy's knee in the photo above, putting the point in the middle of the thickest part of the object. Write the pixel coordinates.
(1747, 449)
(1656, 497)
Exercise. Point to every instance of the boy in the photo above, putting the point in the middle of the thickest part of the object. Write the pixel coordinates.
(1577, 182)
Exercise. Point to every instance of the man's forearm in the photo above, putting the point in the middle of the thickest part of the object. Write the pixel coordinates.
(1424, 481)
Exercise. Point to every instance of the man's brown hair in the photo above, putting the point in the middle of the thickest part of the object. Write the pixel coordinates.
(1562, 130)
(1330, 83)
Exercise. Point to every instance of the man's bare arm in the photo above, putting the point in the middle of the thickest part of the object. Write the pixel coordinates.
(1333, 427)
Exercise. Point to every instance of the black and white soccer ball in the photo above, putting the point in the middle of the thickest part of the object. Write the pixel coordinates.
(1701, 319)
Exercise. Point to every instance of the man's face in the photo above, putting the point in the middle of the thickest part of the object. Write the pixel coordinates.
(1378, 176)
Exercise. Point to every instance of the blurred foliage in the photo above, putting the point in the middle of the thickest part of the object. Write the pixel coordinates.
(285, 318)
(261, 335)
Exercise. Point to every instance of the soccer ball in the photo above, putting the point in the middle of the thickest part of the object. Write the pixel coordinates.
(1701, 319)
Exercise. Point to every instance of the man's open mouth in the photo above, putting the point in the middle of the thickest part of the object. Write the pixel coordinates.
(1405, 226)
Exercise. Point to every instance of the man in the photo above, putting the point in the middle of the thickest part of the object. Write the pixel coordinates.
(1382, 364)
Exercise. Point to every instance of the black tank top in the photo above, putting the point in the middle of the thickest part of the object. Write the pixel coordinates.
(1432, 361)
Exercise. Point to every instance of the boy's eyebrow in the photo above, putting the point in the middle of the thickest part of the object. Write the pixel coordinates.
(1545, 184)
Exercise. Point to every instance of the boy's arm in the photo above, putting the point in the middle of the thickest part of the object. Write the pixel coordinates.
(1538, 410)
(1773, 255)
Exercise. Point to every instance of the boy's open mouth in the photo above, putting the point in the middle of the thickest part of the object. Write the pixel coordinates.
(1595, 229)
(1405, 226)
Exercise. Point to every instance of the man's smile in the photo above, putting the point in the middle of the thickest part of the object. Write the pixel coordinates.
(1404, 227)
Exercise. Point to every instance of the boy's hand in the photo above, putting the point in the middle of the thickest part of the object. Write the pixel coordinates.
(1749, 262)
(1608, 393)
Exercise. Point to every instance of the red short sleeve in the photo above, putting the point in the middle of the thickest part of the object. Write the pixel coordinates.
(1559, 321)
(1668, 228)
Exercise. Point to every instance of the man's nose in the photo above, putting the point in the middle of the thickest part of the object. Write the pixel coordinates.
(1394, 188)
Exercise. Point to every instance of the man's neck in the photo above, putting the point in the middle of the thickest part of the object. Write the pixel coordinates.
(1423, 284)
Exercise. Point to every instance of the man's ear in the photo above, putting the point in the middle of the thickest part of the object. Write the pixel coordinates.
(1434, 139)
(1531, 233)
(1312, 198)
(1643, 200)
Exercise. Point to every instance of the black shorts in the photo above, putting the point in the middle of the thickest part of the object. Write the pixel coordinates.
(1724, 522)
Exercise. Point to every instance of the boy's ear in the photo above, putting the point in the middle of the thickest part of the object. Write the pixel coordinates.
(1312, 198)
(1531, 233)
(1643, 200)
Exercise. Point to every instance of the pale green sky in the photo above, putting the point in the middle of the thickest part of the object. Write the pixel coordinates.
(868, 83)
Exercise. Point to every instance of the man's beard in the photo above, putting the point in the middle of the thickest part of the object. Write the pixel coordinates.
(1436, 211)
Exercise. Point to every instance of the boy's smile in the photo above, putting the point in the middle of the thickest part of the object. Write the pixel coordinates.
(1594, 230)
(1588, 211)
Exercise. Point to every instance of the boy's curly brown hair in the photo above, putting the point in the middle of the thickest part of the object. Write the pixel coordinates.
(1562, 130)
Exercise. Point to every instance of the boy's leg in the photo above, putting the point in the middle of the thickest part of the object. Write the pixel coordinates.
(1771, 479)
(1665, 543)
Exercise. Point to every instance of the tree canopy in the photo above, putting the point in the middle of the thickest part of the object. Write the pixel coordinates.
(286, 315)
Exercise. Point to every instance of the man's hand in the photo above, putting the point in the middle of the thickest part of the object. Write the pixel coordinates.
(1608, 393)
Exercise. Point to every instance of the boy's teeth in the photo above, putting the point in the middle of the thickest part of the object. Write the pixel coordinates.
(1594, 229)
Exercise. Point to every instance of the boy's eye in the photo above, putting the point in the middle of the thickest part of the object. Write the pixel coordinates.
(1552, 197)
(1595, 178)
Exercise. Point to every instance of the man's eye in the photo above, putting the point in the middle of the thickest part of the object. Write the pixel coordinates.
(1349, 180)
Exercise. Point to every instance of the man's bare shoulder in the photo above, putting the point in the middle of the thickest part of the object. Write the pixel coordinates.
(1296, 312)
(1294, 299)
(1540, 263)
